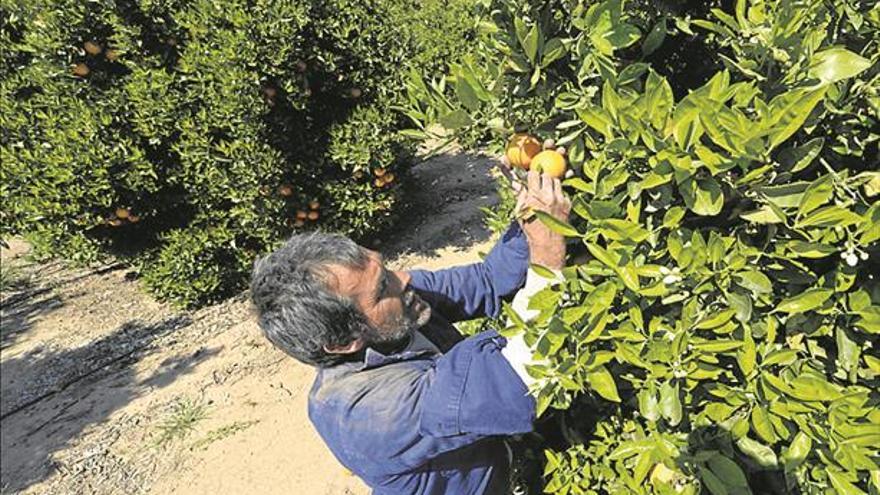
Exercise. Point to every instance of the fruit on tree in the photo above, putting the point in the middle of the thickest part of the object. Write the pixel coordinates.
(285, 190)
(301, 214)
(358, 175)
(313, 215)
(314, 204)
(111, 55)
(92, 48)
(549, 162)
(116, 222)
(521, 148)
(379, 172)
(355, 92)
(81, 70)
(299, 222)
(123, 212)
(134, 218)
(378, 182)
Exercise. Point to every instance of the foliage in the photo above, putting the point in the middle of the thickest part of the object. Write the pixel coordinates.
(725, 200)
(207, 125)
(185, 414)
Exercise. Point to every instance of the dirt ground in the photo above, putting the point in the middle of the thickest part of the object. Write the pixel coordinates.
(106, 391)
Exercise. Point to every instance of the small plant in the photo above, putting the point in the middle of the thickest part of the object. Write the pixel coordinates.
(221, 433)
(185, 415)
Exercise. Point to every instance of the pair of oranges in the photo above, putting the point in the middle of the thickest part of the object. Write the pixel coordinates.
(123, 215)
(528, 153)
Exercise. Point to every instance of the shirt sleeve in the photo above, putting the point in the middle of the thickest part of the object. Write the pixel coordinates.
(516, 351)
(476, 290)
(473, 390)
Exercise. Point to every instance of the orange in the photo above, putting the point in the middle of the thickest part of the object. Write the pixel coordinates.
(313, 215)
(111, 55)
(122, 212)
(355, 92)
(379, 172)
(388, 178)
(301, 215)
(314, 205)
(378, 182)
(134, 218)
(115, 222)
(299, 223)
(285, 190)
(521, 149)
(549, 162)
(92, 48)
(81, 70)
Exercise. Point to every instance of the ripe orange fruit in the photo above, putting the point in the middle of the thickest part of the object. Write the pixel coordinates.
(92, 48)
(111, 55)
(521, 149)
(134, 218)
(115, 222)
(313, 215)
(549, 162)
(301, 215)
(379, 172)
(81, 70)
(388, 178)
(285, 190)
(378, 182)
(299, 223)
(123, 212)
(314, 205)
(355, 92)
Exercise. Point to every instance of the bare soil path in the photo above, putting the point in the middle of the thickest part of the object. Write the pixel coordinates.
(106, 391)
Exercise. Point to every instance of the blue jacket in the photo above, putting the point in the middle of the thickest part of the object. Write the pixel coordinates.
(430, 418)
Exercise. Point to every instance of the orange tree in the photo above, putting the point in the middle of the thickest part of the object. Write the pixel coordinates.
(186, 136)
(719, 331)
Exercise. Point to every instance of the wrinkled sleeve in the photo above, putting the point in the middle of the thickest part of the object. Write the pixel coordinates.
(473, 390)
(476, 290)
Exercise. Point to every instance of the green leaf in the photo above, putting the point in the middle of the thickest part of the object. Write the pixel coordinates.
(819, 192)
(621, 230)
(747, 355)
(455, 119)
(836, 64)
(715, 320)
(788, 112)
(654, 38)
(758, 452)
(797, 451)
(728, 471)
(798, 158)
(603, 384)
(764, 215)
(830, 216)
(841, 485)
(761, 425)
(805, 301)
(530, 43)
(557, 225)
(754, 281)
(712, 483)
(670, 404)
(703, 196)
(466, 93)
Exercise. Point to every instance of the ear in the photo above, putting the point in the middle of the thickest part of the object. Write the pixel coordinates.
(352, 347)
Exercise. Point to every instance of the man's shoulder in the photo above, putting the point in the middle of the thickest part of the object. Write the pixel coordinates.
(352, 388)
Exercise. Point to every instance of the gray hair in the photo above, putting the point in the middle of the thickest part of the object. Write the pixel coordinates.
(297, 311)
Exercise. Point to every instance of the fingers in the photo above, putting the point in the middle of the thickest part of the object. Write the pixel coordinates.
(534, 181)
(557, 189)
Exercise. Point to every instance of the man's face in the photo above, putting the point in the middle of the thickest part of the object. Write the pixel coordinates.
(392, 312)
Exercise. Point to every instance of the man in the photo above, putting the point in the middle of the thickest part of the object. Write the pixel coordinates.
(401, 398)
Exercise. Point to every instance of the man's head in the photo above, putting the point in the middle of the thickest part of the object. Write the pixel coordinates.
(321, 297)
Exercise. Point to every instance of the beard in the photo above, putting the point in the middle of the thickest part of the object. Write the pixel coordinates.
(416, 313)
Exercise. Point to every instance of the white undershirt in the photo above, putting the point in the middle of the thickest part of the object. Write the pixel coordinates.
(517, 352)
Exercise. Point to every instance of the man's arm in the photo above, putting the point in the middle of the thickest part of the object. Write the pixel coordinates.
(476, 290)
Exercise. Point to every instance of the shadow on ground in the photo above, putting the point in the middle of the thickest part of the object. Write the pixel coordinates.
(445, 197)
(50, 398)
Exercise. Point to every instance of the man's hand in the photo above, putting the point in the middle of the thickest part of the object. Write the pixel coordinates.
(542, 193)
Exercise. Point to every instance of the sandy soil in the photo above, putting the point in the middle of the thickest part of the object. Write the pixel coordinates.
(106, 391)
